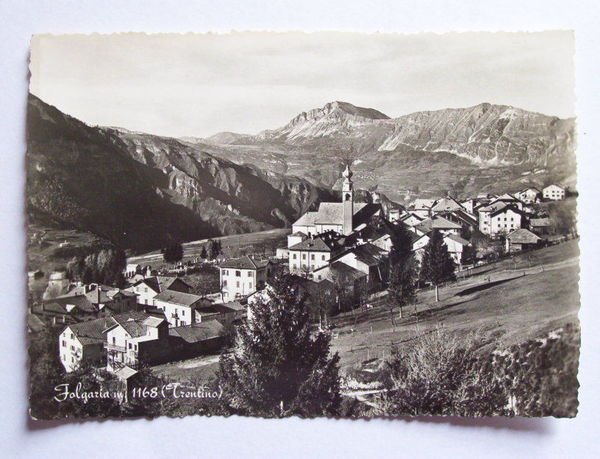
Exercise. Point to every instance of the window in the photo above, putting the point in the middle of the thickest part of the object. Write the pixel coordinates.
(225, 283)
(182, 312)
(135, 347)
(250, 285)
(249, 273)
(304, 256)
(323, 257)
(237, 284)
(294, 256)
(72, 336)
(312, 256)
(72, 348)
(129, 346)
(64, 357)
(238, 274)
(64, 343)
(114, 340)
(295, 266)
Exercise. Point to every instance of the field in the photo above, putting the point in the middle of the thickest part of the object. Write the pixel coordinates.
(233, 245)
(512, 301)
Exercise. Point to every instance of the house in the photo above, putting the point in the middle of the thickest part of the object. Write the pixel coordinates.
(348, 283)
(540, 225)
(146, 289)
(554, 192)
(193, 340)
(462, 217)
(136, 338)
(521, 239)
(370, 260)
(314, 293)
(340, 217)
(455, 244)
(83, 343)
(499, 218)
(456, 247)
(99, 297)
(226, 313)
(179, 308)
(240, 277)
(313, 253)
(442, 224)
(529, 195)
(422, 207)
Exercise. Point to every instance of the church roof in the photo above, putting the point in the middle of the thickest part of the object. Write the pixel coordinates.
(333, 212)
(308, 219)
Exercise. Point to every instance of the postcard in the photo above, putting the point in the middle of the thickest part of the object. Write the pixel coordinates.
(324, 224)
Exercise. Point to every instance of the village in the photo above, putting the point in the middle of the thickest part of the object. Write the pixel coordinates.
(339, 254)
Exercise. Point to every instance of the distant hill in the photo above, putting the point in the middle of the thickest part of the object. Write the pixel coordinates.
(139, 190)
(466, 150)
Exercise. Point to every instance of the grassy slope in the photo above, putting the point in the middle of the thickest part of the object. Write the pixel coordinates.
(540, 295)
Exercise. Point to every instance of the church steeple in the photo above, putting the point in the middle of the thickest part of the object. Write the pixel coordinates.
(347, 200)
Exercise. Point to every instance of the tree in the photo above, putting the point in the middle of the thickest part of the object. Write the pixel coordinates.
(437, 265)
(203, 253)
(402, 279)
(173, 252)
(278, 367)
(215, 250)
(441, 374)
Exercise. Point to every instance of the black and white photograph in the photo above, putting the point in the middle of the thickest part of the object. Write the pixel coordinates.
(290, 224)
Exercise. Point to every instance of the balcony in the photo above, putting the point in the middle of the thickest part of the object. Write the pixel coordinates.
(114, 347)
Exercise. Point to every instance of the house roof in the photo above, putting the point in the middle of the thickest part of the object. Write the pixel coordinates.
(421, 203)
(136, 323)
(446, 204)
(92, 331)
(506, 209)
(315, 245)
(244, 262)
(81, 302)
(344, 272)
(523, 236)
(196, 333)
(493, 207)
(437, 222)
(179, 298)
(554, 186)
(369, 254)
(458, 239)
(125, 373)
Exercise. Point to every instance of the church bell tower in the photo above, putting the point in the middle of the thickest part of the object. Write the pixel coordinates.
(347, 201)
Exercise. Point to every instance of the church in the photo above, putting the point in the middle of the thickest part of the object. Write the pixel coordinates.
(339, 217)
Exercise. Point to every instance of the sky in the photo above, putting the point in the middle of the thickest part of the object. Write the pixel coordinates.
(200, 84)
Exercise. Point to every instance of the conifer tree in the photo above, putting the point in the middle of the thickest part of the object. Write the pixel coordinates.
(278, 366)
(403, 274)
(437, 265)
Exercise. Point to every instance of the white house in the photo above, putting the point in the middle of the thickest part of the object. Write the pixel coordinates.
(146, 289)
(313, 253)
(179, 307)
(529, 195)
(368, 259)
(134, 339)
(82, 343)
(455, 244)
(554, 192)
(240, 277)
(499, 218)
